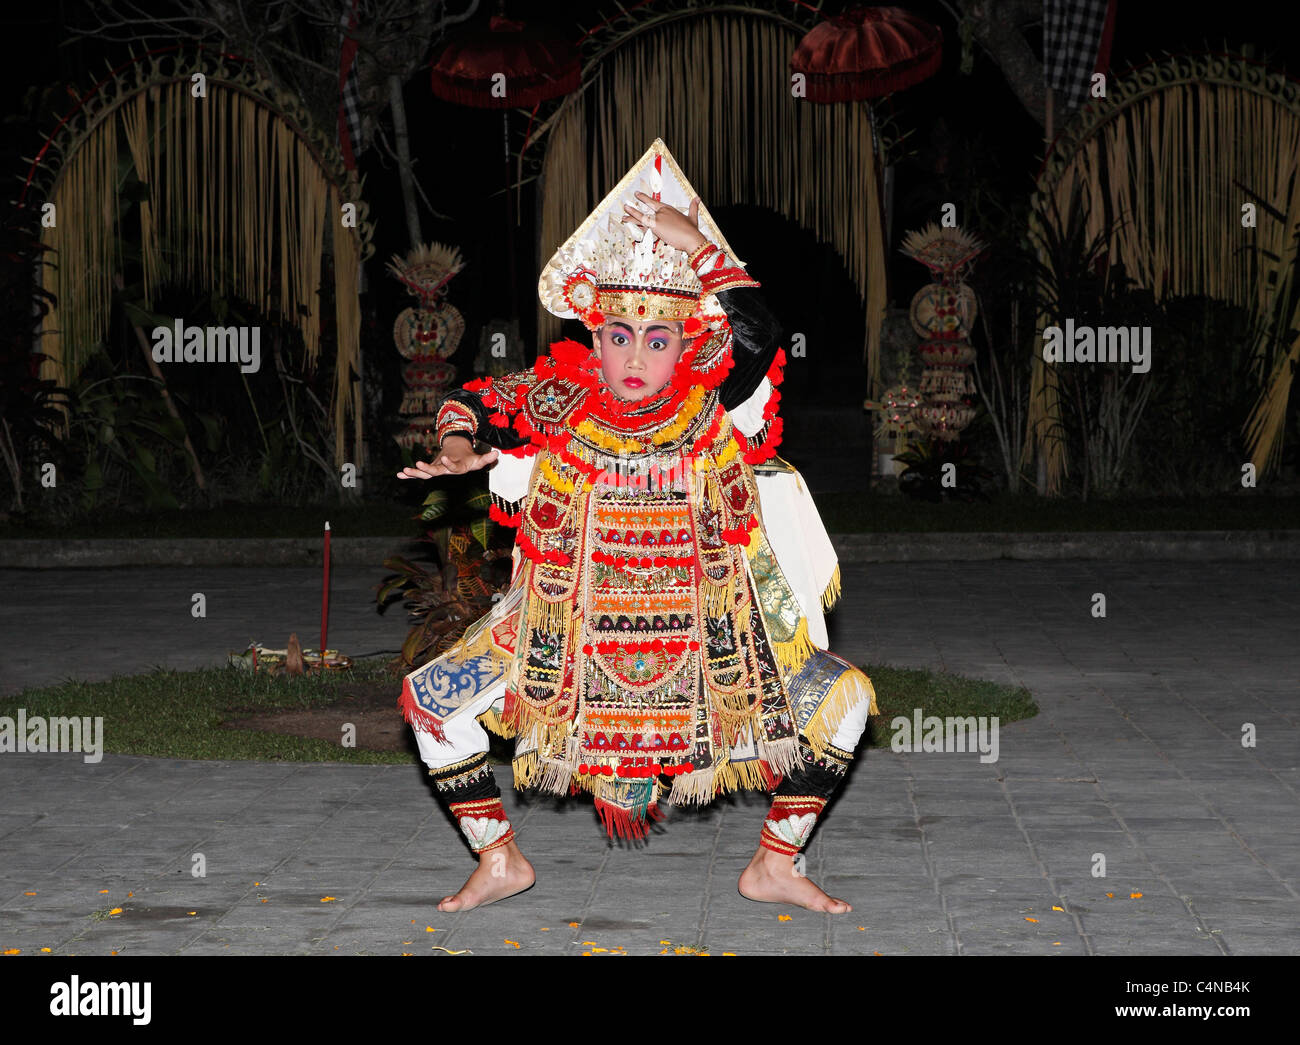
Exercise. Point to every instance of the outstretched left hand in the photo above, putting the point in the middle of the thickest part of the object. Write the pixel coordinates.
(667, 222)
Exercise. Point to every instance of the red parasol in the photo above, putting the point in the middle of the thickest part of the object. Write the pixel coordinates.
(510, 66)
(867, 52)
(537, 65)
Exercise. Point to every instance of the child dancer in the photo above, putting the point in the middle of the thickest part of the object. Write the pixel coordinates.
(650, 647)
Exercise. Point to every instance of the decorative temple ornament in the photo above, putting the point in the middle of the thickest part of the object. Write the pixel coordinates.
(942, 315)
(426, 334)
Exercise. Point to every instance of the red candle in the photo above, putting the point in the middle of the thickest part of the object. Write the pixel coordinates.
(325, 597)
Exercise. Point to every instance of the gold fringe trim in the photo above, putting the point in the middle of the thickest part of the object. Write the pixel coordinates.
(735, 776)
(491, 721)
(716, 599)
(793, 654)
(832, 593)
(848, 691)
(550, 616)
(544, 774)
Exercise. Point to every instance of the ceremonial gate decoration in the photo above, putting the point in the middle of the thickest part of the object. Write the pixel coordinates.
(1169, 161)
(242, 194)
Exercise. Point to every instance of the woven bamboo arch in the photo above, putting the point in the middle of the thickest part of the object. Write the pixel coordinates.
(1190, 138)
(714, 82)
(236, 172)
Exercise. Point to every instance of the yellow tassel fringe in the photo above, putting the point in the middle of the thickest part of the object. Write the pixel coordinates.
(832, 593)
(792, 655)
(845, 695)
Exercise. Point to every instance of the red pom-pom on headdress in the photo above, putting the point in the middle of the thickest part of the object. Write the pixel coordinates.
(570, 351)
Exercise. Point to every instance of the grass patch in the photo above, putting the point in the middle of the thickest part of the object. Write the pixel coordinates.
(178, 714)
(901, 690)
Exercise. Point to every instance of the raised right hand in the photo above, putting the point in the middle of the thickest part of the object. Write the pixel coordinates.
(454, 458)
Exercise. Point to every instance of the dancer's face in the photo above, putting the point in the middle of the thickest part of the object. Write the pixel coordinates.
(637, 359)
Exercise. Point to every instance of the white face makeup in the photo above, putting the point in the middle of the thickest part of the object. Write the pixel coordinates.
(637, 358)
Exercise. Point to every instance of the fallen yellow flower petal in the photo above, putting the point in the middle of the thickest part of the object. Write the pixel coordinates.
(263, 899)
(589, 943)
(14, 950)
(665, 943)
(328, 899)
(599, 950)
(877, 952)
(45, 950)
(408, 943)
(1057, 943)
(466, 951)
(1031, 919)
(862, 928)
(430, 929)
(118, 910)
(783, 918)
(728, 954)
(102, 892)
(513, 944)
(1111, 895)
(406, 954)
(1135, 896)
(586, 954)
(573, 925)
(544, 929)
(191, 912)
(1055, 908)
(112, 952)
(29, 894)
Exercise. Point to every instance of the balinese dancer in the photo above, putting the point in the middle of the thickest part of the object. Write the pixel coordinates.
(650, 648)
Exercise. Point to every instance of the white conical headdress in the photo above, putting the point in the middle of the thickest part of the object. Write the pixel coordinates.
(610, 265)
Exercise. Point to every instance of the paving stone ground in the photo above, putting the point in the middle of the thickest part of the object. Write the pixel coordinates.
(1136, 759)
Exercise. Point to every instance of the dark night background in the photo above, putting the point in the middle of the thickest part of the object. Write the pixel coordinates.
(967, 130)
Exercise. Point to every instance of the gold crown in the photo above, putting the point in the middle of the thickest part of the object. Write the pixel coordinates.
(610, 266)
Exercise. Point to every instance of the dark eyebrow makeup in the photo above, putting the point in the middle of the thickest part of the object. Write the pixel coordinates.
(655, 326)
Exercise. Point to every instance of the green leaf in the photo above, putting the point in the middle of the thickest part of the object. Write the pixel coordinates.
(479, 530)
(435, 505)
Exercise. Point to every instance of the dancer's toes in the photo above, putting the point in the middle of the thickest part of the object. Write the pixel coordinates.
(771, 878)
(501, 874)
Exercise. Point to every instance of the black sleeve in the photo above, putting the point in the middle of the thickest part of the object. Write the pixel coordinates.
(501, 438)
(757, 336)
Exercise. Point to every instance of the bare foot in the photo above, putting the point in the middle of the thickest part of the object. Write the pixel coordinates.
(771, 877)
(500, 873)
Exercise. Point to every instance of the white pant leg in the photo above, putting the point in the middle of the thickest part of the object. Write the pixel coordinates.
(465, 736)
(852, 725)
